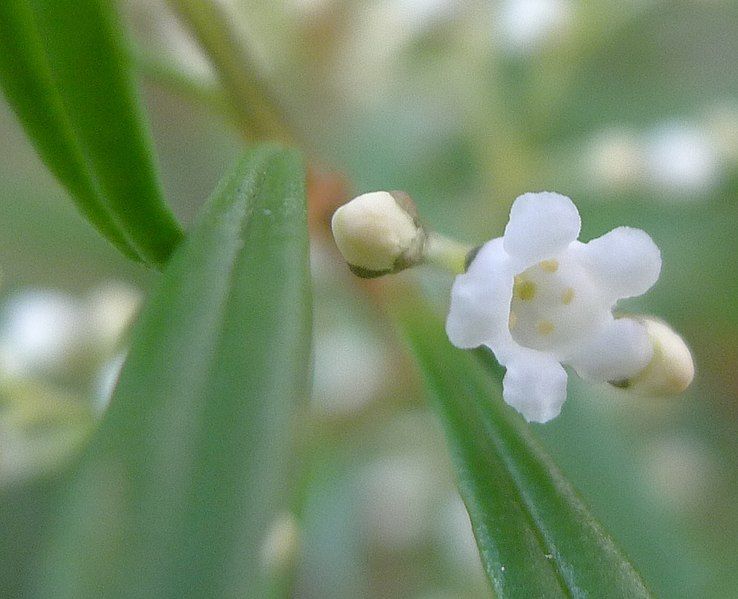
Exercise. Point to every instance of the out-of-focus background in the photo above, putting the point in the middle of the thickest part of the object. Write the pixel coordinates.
(630, 108)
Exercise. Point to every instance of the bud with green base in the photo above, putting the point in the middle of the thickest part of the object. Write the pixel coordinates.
(380, 233)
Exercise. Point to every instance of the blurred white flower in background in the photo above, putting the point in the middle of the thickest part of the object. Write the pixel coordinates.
(38, 432)
(398, 496)
(51, 343)
(379, 32)
(418, 15)
(111, 308)
(614, 158)
(45, 332)
(677, 472)
(350, 370)
(39, 331)
(681, 159)
(40, 427)
(183, 49)
(525, 26)
(674, 160)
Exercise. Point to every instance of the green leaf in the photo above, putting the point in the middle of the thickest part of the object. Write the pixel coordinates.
(26, 81)
(192, 462)
(65, 72)
(536, 537)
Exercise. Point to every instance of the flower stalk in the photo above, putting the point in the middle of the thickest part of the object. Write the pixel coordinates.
(447, 254)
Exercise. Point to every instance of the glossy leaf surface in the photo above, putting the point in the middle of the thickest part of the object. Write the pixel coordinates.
(535, 536)
(65, 71)
(192, 462)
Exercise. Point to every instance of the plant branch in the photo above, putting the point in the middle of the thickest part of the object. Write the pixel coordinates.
(258, 114)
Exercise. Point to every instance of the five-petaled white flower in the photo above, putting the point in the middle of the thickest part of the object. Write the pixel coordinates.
(538, 298)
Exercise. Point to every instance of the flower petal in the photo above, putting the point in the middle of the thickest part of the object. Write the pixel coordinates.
(541, 225)
(625, 261)
(535, 385)
(619, 351)
(480, 298)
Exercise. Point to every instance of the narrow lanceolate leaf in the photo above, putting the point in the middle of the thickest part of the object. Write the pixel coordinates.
(64, 71)
(26, 81)
(191, 464)
(536, 538)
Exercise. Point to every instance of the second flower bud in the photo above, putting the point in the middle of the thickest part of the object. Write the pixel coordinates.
(379, 233)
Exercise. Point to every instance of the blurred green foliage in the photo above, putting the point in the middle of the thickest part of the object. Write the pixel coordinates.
(442, 109)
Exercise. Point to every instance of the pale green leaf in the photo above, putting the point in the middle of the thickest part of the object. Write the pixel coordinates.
(192, 462)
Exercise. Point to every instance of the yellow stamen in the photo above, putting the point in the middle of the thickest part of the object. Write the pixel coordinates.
(549, 265)
(567, 296)
(545, 327)
(512, 320)
(523, 289)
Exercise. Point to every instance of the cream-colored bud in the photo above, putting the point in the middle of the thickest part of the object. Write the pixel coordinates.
(671, 368)
(379, 233)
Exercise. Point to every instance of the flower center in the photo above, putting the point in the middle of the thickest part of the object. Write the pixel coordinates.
(555, 306)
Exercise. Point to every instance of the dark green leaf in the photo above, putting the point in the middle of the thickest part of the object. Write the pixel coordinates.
(26, 81)
(65, 72)
(535, 536)
(192, 462)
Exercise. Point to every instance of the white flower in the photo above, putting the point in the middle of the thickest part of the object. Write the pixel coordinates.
(350, 369)
(526, 25)
(539, 299)
(39, 331)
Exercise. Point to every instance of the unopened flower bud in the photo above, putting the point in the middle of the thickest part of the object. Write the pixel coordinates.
(379, 233)
(671, 368)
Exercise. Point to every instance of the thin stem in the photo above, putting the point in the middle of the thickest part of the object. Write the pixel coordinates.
(257, 112)
(446, 253)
